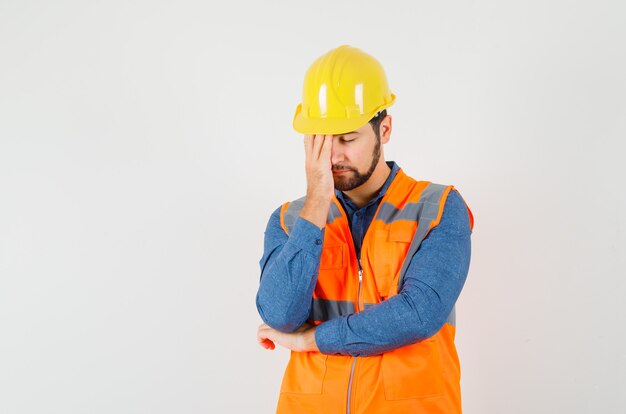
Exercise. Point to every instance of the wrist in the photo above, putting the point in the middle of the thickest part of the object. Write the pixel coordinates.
(318, 198)
(315, 210)
(311, 345)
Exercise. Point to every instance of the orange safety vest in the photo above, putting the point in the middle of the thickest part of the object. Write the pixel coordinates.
(423, 377)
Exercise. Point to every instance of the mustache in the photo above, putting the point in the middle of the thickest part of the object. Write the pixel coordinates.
(343, 168)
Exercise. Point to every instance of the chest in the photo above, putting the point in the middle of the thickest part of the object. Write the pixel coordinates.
(364, 271)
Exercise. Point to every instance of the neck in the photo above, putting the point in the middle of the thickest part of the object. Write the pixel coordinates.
(369, 189)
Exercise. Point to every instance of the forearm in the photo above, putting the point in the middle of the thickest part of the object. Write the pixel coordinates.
(315, 210)
(289, 274)
(415, 314)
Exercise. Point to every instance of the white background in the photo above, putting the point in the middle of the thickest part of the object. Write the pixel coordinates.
(144, 144)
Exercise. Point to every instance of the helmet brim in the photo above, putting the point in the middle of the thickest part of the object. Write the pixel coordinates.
(333, 126)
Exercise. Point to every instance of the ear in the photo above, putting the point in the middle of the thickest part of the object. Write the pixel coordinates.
(385, 129)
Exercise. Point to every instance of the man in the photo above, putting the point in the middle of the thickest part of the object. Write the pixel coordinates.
(359, 278)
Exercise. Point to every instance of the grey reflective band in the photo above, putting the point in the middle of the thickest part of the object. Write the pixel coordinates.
(452, 317)
(292, 213)
(389, 213)
(431, 197)
(425, 207)
(333, 213)
(325, 309)
(295, 207)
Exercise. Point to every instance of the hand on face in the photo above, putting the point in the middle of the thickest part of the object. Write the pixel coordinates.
(318, 149)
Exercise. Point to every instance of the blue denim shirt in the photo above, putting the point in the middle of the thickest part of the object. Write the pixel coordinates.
(432, 284)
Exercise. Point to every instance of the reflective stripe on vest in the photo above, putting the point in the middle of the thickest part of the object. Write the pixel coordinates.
(325, 310)
(425, 211)
(293, 211)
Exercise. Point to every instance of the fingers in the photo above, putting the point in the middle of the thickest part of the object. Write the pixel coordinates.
(318, 167)
(326, 148)
(317, 145)
(325, 145)
(263, 337)
(267, 344)
(308, 146)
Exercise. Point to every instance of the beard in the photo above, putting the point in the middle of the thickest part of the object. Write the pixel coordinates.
(356, 179)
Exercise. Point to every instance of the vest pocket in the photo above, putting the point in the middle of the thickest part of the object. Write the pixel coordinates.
(388, 252)
(334, 257)
(305, 373)
(413, 371)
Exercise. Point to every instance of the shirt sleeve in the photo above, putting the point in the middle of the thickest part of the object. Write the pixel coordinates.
(432, 284)
(289, 269)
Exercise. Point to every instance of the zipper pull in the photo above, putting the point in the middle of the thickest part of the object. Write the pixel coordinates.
(360, 270)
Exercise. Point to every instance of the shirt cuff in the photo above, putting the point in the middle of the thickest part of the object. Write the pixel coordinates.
(307, 236)
(328, 337)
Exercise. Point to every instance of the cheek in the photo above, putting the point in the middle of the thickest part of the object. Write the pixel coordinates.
(361, 156)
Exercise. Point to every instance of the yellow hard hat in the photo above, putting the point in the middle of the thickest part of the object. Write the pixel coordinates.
(343, 89)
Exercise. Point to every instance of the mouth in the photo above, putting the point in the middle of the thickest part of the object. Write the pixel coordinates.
(339, 172)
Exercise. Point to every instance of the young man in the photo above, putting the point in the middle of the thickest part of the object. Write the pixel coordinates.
(359, 278)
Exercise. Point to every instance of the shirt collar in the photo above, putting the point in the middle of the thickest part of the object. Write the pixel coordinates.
(394, 170)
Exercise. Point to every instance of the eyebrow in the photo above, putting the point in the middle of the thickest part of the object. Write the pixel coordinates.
(347, 133)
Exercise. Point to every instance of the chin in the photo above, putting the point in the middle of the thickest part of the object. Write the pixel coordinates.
(341, 181)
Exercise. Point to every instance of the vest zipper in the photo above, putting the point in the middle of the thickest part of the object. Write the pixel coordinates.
(358, 307)
(358, 298)
(358, 304)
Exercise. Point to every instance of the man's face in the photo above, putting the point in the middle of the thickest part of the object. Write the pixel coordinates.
(354, 157)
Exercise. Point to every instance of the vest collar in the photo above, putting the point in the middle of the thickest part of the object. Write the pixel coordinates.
(346, 200)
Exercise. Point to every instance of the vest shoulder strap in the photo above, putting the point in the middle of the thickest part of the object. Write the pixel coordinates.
(427, 212)
(290, 212)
